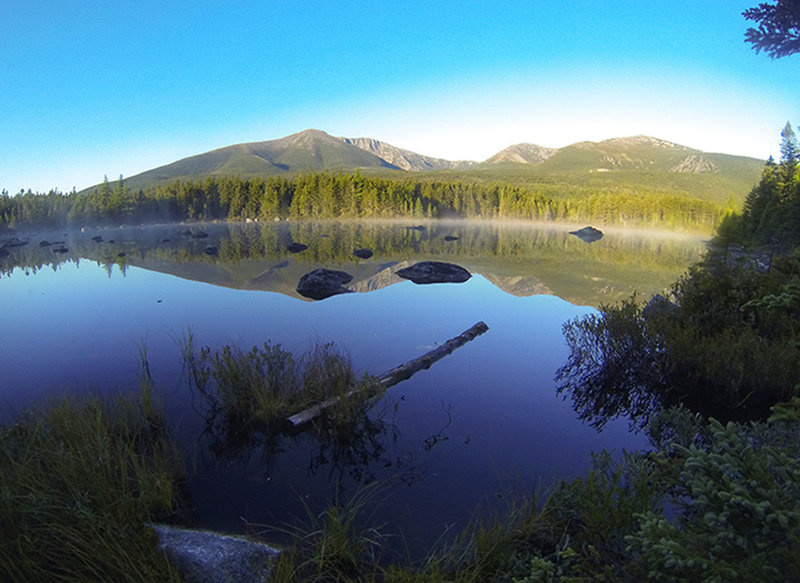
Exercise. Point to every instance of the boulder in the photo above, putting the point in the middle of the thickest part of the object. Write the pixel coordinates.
(362, 253)
(450, 238)
(296, 247)
(14, 242)
(435, 272)
(323, 283)
(208, 557)
(588, 234)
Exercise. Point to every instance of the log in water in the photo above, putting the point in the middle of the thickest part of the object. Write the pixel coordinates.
(397, 374)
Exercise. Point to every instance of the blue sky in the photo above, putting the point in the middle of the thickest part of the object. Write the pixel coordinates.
(95, 88)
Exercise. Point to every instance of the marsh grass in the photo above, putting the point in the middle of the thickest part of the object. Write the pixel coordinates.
(256, 390)
(342, 543)
(79, 482)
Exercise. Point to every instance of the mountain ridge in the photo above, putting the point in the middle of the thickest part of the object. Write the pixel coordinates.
(316, 150)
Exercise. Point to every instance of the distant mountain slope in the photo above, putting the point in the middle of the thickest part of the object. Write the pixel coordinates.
(406, 159)
(523, 154)
(637, 163)
(643, 153)
(307, 150)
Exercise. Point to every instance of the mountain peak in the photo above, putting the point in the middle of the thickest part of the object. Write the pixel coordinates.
(524, 153)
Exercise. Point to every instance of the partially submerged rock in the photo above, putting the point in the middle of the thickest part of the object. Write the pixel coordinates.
(435, 272)
(323, 283)
(208, 557)
(363, 253)
(588, 234)
(14, 242)
(296, 247)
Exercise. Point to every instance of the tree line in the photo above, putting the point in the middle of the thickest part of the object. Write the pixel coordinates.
(341, 195)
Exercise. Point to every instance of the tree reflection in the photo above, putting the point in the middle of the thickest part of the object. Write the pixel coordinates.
(614, 367)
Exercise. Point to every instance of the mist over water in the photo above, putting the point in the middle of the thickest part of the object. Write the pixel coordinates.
(478, 425)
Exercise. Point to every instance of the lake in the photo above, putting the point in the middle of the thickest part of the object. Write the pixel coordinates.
(478, 427)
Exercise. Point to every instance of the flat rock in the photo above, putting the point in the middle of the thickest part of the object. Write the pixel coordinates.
(323, 283)
(296, 247)
(363, 253)
(435, 272)
(202, 556)
(588, 234)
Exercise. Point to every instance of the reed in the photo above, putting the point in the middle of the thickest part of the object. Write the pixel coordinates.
(79, 482)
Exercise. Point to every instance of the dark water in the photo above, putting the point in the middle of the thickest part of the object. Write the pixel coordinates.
(480, 425)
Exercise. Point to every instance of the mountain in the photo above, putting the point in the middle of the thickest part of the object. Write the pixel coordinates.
(523, 154)
(307, 150)
(642, 153)
(636, 163)
(405, 159)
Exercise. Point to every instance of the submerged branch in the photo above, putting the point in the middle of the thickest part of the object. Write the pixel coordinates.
(395, 375)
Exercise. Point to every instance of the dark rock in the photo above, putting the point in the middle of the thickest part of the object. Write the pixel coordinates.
(417, 228)
(450, 238)
(211, 251)
(206, 557)
(363, 253)
(435, 272)
(97, 239)
(15, 242)
(588, 234)
(61, 249)
(44, 243)
(121, 254)
(296, 247)
(165, 240)
(323, 283)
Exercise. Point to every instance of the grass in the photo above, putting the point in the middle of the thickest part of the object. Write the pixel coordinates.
(79, 482)
(257, 390)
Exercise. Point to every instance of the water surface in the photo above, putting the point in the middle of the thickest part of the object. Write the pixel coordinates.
(479, 425)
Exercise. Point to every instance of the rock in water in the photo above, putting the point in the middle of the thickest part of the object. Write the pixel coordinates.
(323, 283)
(362, 253)
(296, 247)
(588, 234)
(208, 557)
(435, 272)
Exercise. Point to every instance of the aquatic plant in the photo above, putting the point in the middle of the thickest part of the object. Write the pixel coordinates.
(79, 482)
(258, 389)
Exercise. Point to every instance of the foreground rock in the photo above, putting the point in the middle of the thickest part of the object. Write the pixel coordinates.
(323, 283)
(588, 234)
(435, 272)
(296, 247)
(208, 557)
(363, 253)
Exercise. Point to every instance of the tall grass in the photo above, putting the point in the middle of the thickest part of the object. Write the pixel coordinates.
(79, 481)
(256, 390)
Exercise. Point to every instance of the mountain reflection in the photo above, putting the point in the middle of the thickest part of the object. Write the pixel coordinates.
(521, 259)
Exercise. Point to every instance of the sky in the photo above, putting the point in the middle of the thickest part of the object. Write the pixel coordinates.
(96, 88)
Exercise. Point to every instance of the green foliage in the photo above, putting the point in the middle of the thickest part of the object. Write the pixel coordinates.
(739, 520)
(340, 195)
(614, 366)
(778, 31)
(254, 392)
(79, 481)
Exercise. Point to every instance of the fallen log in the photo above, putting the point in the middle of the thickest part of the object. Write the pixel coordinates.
(395, 375)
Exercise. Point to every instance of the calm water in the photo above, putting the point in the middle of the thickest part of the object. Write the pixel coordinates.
(480, 425)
